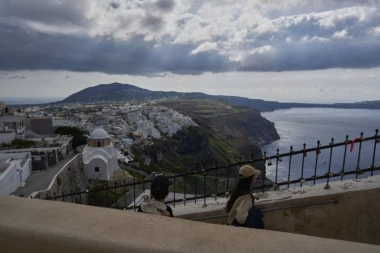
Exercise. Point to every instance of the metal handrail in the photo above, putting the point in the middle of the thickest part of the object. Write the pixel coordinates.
(216, 170)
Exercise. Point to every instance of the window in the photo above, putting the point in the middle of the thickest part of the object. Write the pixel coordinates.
(99, 144)
(96, 169)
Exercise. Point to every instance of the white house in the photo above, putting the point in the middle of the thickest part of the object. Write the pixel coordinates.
(99, 156)
(14, 170)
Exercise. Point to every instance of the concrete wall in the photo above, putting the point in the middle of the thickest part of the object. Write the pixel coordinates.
(103, 169)
(26, 169)
(31, 225)
(105, 158)
(7, 137)
(355, 216)
(349, 210)
(41, 125)
(10, 179)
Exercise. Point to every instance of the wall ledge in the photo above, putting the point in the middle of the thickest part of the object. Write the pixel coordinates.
(32, 225)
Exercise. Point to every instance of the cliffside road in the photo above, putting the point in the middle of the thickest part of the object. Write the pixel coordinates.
(40, 180)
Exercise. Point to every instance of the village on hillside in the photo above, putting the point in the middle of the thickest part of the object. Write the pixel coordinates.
(31, 141)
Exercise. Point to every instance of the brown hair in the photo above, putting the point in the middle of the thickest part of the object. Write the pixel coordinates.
(243, 187)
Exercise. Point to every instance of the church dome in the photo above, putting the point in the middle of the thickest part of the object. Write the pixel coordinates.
(99, 134)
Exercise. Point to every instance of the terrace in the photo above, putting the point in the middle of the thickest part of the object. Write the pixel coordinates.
(337, 202)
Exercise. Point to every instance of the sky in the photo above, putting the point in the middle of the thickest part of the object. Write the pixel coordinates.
(285, 50)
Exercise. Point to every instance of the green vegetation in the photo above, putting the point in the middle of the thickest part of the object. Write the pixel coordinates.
(202, 108)
(189, 149)
(59, 181)
(75, 132)
(104, 198)
(17, 144)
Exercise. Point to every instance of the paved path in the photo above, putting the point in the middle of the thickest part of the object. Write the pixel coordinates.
(40, 180)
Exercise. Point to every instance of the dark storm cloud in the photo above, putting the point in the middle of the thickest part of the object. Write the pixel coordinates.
(165, 5)
(50, 12)
(24, 50)
(115, 5)
(153, 23)
(314, 55)
(146, 39)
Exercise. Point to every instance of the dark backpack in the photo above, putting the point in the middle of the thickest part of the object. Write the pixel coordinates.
(254, 219)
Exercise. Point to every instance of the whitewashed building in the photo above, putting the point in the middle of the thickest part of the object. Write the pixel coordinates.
(99, 156)
(15, 168)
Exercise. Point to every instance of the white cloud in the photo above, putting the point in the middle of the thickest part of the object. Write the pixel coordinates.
(313, 39)
(205, 47)
(341, 34)
(263, 50)
(375, 31)
(330, 19)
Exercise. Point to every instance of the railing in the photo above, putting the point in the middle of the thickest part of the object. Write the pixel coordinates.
(303, 168)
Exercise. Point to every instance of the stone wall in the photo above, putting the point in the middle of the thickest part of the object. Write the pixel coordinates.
(70, 178)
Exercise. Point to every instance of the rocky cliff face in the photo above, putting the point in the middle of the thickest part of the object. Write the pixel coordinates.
(246, 126)
(228, 128)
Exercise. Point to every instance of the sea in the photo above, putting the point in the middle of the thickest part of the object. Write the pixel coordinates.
(298, 126)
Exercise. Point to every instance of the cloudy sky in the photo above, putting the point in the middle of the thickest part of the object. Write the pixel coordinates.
(285, 50)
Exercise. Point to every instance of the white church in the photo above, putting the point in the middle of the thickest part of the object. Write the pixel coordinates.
(99, 156)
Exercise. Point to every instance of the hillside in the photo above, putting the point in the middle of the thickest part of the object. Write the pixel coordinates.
(127, 92)
(225, 133)
(243, 128)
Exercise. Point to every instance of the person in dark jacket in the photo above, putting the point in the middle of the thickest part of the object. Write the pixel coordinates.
(159, 190)
(240, 207)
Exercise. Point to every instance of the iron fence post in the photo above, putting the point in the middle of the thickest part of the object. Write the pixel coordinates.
(125, 193)
(174, 190)
(216, 180)
(195, 188)
(204, 187)
(358, 170)
(106, 200)
(116, 194)
(228, 173)
(264, 174)
(184, 191)
(290, 165)
(317, 152)
(344, 159)
(329, 169)
(374, 151)
(277, 159)
(303, 164)
(134, 193)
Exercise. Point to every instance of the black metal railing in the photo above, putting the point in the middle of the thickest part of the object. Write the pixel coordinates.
(303, 168)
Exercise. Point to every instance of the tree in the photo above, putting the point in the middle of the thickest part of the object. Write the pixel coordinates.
(78, 135)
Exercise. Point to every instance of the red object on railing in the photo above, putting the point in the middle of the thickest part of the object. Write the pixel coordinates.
(352, 143)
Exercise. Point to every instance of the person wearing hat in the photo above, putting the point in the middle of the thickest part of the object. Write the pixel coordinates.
(240, 206)
(159, 190)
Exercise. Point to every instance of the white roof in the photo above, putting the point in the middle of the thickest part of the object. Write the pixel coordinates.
(99, 134)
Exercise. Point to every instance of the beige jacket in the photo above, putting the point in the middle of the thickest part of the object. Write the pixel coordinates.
(240, 209)
(153, 206)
